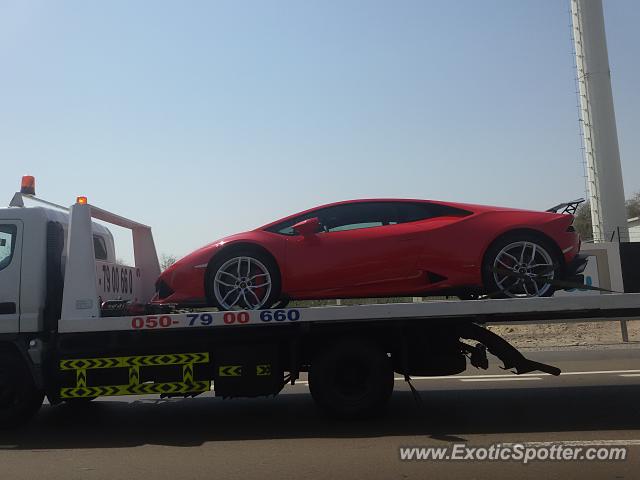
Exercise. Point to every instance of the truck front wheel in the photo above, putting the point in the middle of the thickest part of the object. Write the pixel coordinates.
(20, 399)
(351, 379)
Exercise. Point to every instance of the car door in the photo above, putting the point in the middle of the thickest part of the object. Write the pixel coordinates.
(10, 273)
(442, 242)
(363, 247)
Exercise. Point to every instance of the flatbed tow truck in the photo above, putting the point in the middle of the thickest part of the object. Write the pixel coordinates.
(75, 325)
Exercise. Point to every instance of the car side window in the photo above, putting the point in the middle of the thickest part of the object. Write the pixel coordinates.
(8, 235)
(359, 215)
(415, 212)
(350, 216)
(353, 216)
(354, 226)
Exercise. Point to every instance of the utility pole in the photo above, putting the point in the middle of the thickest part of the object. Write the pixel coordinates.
(604, 172)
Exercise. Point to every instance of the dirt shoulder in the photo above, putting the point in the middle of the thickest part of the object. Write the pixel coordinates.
(567, 334)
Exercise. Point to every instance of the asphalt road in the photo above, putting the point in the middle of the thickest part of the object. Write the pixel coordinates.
(595, 402)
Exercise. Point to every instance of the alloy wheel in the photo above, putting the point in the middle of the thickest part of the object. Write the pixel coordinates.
(242, 283)
(532, 264)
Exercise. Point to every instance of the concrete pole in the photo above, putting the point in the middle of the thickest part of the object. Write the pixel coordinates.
(604, 173)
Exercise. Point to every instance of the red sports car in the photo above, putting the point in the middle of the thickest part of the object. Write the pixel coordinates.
(381, 248)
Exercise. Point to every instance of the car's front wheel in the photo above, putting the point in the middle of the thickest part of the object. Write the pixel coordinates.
(245, 279)
(521, 265)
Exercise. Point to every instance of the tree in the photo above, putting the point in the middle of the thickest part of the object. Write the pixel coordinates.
(583, 224)
(633, 206)
(166, 261)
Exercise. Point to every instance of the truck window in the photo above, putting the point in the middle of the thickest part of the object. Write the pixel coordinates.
(100, 248)
(8, 234)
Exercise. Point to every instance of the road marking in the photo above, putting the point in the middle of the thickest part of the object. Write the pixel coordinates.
(579, 443)
(476, 378)
(598, 372)
(510, 376)
(508, 379)
(503, 375)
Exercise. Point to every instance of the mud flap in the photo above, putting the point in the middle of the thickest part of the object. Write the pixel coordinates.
(506, 352)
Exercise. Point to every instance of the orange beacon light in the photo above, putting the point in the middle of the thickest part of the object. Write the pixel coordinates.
(28, 185)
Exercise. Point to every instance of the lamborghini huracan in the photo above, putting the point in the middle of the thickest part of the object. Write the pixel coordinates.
(381, 248)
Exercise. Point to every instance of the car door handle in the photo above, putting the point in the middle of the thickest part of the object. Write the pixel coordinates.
(7, 308)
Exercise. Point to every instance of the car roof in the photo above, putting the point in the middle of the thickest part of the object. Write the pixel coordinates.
(464, 206)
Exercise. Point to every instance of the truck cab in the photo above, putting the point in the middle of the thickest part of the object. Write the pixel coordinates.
(26, 237)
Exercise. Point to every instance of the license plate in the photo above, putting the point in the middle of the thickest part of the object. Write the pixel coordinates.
(117, 282)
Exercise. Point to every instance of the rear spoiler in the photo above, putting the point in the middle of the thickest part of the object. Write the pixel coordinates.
(568, 207)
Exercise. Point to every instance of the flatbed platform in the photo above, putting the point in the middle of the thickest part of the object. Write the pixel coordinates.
(524, 310)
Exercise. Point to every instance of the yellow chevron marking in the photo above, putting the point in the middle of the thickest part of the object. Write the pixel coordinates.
(139, 360)
(133, 364)
(81, 377)
(263, 370)
(134, 375)
(145, 388)
(230, 370)
(187, 373)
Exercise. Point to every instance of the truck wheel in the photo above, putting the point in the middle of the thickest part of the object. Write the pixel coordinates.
(19, 397)
(351, 379)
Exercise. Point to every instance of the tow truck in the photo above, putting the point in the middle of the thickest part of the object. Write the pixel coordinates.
(75, 325)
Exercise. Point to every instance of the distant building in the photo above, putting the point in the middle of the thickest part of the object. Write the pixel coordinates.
(634, 229)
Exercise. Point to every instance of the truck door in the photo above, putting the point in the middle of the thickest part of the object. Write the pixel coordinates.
(10, 269)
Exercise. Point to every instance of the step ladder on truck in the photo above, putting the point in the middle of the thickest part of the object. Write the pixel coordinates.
(75, 325)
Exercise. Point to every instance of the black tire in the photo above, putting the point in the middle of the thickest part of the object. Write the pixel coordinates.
(282, 303)
(258, 255)
(20, 399)
(492, 289)
(468, 295)
(352, 379)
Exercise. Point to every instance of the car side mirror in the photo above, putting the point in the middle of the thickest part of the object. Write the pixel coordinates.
(310, 226)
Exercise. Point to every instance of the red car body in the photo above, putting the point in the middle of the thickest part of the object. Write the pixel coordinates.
(420, 257)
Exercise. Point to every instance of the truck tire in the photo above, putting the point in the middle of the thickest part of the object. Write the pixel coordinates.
(352, 379)
(20, 399)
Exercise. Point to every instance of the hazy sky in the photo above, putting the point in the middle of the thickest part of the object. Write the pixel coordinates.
(207, 118)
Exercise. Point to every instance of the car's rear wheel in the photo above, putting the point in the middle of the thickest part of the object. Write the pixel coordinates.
(521, 265)
(245, 279)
